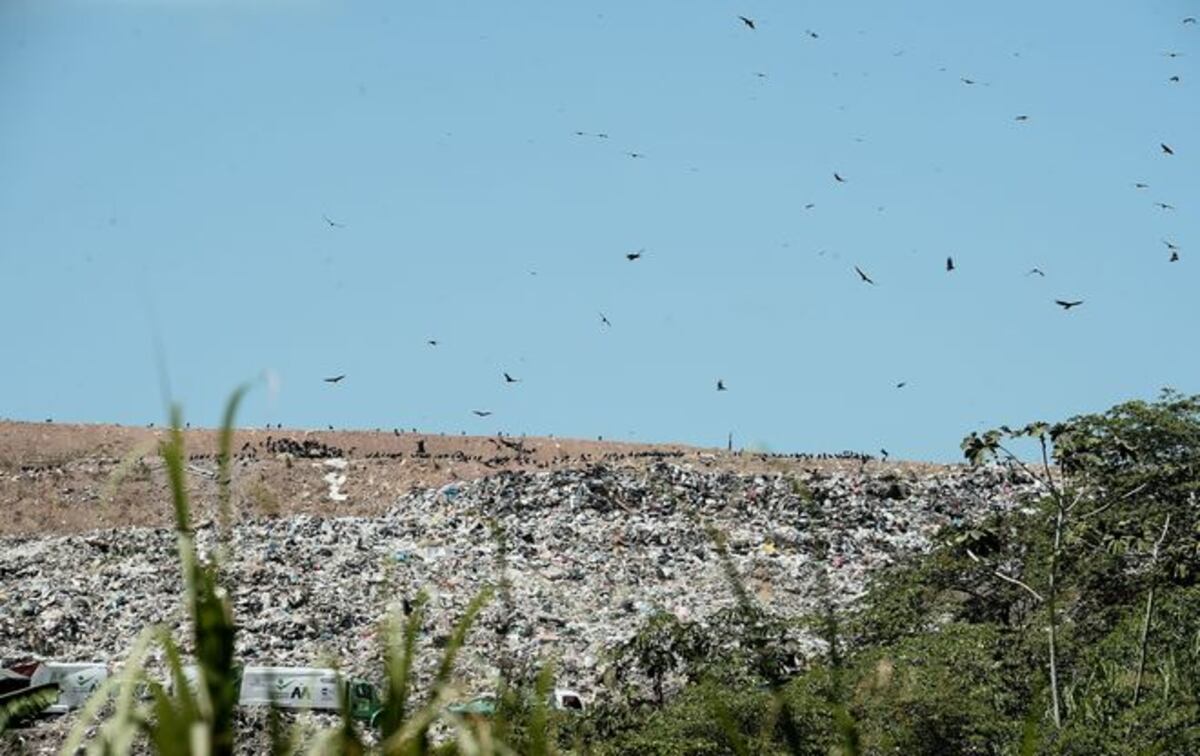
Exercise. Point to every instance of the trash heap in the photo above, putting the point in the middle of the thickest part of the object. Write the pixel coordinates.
(589, 553)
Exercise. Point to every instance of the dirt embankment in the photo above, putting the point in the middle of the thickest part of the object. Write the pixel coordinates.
(58, 478)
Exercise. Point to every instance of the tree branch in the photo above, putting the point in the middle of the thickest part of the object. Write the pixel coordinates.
(1143, 642)
(1122, 497)
(1009, 578)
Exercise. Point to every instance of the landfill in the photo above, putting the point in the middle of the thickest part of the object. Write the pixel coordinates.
(589, 553)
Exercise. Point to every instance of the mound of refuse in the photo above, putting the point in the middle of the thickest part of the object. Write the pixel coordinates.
(589, 553)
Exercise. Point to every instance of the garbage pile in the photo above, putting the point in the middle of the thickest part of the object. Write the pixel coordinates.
(590, 554)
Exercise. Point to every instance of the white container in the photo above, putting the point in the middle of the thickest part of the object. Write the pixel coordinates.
(76, 682)
(290, 687)
(567, 700)
(286, 687)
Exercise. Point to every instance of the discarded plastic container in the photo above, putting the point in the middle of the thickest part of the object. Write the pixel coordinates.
(76, 682)
(567, 700)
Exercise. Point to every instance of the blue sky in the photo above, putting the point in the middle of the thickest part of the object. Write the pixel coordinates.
(166, 165)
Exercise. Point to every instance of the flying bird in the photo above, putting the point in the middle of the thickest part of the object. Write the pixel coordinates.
(812, 33)
(636, 155)
(1173, 54)
(949, 264)
(1140, 185)
(1166, 148)
(335, 378)
(901, 384)
(721, 385)
(1037, 271)
(481, 413)
(1164, 206)
(604, 320)
(509, 379)
(1174, 79)
(332, 223)
(432, 342)
(810, 205)
(1189, 20)
(1170, 244)
(631, 256)
(1068, 305)
(747, 21)
(1021, 118)
(863, 276)
(838, 178)
(1174, 256)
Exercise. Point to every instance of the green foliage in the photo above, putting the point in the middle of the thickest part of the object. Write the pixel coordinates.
(25, 704)
(399, 655)
(662, 647)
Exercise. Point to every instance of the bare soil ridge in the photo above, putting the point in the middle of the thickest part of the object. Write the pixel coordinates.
(63, 478)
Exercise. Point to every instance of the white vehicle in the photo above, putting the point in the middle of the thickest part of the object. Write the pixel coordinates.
(314, 688)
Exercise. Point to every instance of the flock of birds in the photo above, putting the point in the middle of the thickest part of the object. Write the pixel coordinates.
(751, 25)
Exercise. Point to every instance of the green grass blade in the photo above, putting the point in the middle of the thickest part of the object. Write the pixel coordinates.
(541, 736)
(459, 636)
(225, 457)
(173, 457)
(399, 658)
(25, 703)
